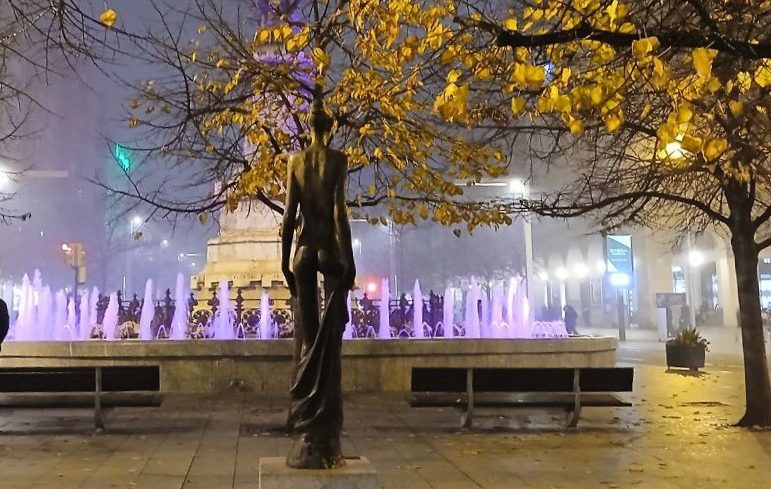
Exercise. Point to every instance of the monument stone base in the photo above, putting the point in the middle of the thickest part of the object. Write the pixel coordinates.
(357, 473)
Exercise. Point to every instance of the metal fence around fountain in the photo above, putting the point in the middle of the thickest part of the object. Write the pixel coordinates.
(246, 317)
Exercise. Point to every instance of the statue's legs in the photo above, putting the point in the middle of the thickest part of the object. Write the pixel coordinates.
(316, 415)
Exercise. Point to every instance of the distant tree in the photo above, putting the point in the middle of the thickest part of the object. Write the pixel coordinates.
(659, 112)
(41, 39)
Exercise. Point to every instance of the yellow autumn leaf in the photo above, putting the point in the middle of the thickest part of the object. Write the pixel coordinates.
(372, 190)
(321, 59)
(643, 47)
(763, 74)
(736, 107)
(691, 143)
(702, 61)
(510, 24)
(529, 76)
(684, 113)
(263, 36)
(576, 126)
(484, 74)
(713, 148)
(613, 121)
(743, 81)
(108, 17)
(453, 76)
(203, 218)
(201, 29)
(517, 105)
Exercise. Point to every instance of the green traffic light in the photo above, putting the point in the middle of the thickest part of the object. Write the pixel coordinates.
(122, 157)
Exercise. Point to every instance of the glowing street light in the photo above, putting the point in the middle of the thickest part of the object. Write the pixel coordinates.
(696, 258)
(518, 187)
(580, 270)
(543, 276)
(561, 273)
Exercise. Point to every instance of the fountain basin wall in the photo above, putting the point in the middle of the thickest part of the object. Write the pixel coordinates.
(265, 366)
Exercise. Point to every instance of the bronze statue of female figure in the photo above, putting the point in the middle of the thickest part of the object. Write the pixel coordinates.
(316, 183)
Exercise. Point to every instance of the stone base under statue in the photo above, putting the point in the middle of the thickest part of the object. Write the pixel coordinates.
(357, 473)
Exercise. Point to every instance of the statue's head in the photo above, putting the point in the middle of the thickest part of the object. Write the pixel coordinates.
(320, 121)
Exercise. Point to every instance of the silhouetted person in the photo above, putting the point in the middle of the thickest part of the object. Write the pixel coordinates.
(5, 321)
(366, 303)
(571, 318)
(403, 304)
(316, 186)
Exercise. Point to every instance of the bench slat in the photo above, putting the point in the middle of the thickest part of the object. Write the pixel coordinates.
(521, 400)
(429, 379)
(79, 379)
(78, 400)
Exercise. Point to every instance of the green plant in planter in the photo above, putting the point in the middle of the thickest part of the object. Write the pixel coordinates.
(690, 337)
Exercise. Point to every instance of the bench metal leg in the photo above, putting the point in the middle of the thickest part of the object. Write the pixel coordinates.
(576, 399)
(98, 420)
(468, 417)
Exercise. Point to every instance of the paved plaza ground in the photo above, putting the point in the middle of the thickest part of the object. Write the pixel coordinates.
(677, 435)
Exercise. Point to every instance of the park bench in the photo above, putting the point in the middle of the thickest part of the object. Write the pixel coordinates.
(78, 387)
(567, 389)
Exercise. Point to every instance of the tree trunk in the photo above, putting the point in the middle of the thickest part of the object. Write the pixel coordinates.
(756, 377)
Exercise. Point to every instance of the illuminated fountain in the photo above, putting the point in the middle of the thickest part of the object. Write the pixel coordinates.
(266, 328)
(223, 323)
(417, 311)
(384, 326)
(180, 321)
(40, 315)
(148, 311)
(448, 313)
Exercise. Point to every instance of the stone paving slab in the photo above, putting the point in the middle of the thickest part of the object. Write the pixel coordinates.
(677, 435)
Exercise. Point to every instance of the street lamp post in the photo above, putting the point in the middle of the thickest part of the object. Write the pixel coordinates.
(521, 190)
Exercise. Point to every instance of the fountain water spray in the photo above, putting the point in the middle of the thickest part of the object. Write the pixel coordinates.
(265, 322)
(384, 330)
(110, 320)
(148, 311)
(71, 329)
(471, 323)
(45, 314)
(223, 323)
(348, 331)
(84, 328)
(93, 307)
(484, 323)
(179, 322)
(24, 321)
(448, 313)
(497, 326)
(417, 311)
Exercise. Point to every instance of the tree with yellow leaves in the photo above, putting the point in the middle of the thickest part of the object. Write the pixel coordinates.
(228, 104)
(659, 111)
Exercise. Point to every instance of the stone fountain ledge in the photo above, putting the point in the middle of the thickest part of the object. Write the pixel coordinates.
(265, 366)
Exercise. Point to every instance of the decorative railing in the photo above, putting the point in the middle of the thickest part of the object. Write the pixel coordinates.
(245, 316)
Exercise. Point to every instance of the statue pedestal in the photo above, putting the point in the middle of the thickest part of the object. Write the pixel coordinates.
(246, 253)
(357, 473)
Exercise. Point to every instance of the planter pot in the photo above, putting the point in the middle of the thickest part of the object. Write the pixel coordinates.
(685, 356)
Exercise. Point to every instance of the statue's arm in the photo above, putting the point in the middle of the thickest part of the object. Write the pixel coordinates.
(342, 225)
(288, 224)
